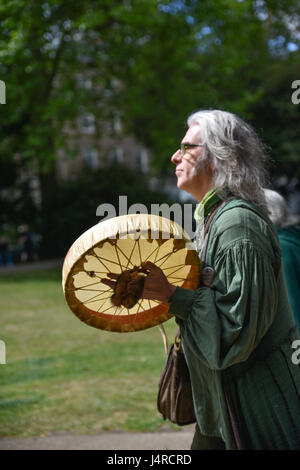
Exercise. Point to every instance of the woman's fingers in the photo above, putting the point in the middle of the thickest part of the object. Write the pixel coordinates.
(108, 283)
(113, 275)
(156, 286)
(150, 266)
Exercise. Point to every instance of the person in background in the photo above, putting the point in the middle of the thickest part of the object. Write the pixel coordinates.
(3, 251)
(288, 228)
(27, 248)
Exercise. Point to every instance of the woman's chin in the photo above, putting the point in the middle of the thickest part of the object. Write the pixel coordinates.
(180, 183)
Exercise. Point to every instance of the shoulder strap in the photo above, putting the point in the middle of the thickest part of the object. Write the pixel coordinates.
(207, 229)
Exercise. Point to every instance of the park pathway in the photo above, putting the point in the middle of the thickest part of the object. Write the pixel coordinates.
(166, 440)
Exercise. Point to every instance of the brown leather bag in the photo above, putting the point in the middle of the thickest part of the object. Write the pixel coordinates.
(174, 399)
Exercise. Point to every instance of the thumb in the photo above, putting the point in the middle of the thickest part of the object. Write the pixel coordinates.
(150, 266)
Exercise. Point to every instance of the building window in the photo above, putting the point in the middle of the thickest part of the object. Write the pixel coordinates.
(142, 161)
(90, 158)
(114, 125)
(84, 82)
(88, 123)
(116, 155)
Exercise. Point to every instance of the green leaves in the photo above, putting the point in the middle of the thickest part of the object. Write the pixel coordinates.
(170, 57)
(154, 62)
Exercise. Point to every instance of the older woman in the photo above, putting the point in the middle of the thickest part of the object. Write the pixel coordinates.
(238, 332)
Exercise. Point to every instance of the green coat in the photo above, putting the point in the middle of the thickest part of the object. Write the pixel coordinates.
(289, 238)
(237, 336)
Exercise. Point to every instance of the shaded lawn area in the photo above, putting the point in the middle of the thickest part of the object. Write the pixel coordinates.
(62, 375)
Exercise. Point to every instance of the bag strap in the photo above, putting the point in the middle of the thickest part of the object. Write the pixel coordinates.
(207, 225)
(164, 336)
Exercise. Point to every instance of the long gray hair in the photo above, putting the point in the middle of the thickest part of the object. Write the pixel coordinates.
(280, 213)
(236, 152)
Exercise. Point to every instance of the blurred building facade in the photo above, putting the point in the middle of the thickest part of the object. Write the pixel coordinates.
(93, 153)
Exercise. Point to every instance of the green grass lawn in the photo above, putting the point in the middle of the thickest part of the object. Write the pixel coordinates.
(64, 376)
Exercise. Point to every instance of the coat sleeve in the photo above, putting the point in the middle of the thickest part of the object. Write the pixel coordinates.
(223, 324)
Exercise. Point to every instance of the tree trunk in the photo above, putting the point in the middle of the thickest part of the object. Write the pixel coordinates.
(48, 188)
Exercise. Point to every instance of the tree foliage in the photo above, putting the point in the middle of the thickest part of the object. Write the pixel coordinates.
(155, 61)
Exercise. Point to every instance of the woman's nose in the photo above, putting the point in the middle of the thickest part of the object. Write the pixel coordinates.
(176, 157)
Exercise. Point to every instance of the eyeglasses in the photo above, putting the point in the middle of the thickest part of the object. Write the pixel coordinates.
(185, 147)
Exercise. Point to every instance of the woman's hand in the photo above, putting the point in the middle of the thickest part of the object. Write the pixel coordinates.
(156, 286)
